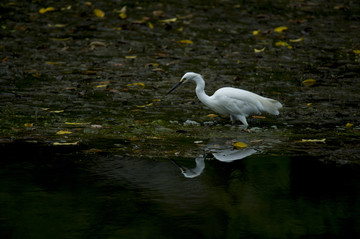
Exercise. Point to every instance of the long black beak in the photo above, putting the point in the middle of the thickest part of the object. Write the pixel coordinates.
(177, 165)
(175, 86)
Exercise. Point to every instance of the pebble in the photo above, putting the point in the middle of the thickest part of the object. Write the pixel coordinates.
(209, 123)
(191, 122)
(255, 129)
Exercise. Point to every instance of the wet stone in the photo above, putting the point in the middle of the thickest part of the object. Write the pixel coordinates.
(191, 123)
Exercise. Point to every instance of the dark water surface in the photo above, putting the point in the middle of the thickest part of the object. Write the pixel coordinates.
(63, 193)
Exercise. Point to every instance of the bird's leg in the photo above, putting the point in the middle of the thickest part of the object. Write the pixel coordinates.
(233, 119)
(243, 120)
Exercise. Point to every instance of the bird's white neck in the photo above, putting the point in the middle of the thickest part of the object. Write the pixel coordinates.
(200, 86)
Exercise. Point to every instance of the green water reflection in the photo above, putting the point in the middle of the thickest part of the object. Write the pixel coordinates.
(50, 194)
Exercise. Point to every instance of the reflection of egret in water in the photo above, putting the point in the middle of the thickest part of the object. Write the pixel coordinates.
(227, 155)
(192, 172)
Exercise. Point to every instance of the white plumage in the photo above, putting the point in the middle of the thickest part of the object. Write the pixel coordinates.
(233, 102)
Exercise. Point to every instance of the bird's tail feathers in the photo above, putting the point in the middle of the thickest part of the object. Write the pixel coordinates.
(271, 106)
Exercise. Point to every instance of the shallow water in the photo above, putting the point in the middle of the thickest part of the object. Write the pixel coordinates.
(46, 192)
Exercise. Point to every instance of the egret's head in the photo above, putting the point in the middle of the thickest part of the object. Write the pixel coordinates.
(188, 76)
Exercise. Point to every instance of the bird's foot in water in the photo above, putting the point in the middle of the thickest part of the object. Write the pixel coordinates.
(245, 129)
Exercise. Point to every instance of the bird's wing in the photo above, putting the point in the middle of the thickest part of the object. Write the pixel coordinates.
(237, 101)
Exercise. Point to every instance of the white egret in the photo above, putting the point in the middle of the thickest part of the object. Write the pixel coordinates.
(233, 102)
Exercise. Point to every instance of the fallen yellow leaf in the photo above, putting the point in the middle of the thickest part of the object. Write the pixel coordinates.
(148, 65)
(141, 21)
(257, 141)
(239, 145)
(57, 111)
(186, 42)
(259, 50)
(57, 25)
(122, 12)
(74, 143)
(297, 40)
(64, 132)
(28, 125)
(48, 9)
(66, 8)
(158, 13)
(150, 25)
(356, 52)
(349, 125)
(101, 86)
(97, 44)
(256, 32)
(122, 15)
(313, 140)
(143, 106)
(154, 137)
(52, 63)
(36, 75)
(280, 29)
(140, 84)
(99, 13)
(130, 57)
(168, 20)
(309, 82)
(281, 43)
(75, 123)
(136, 86)
(212, 115)
(90, 72)
(308, 104)
(156, 100)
